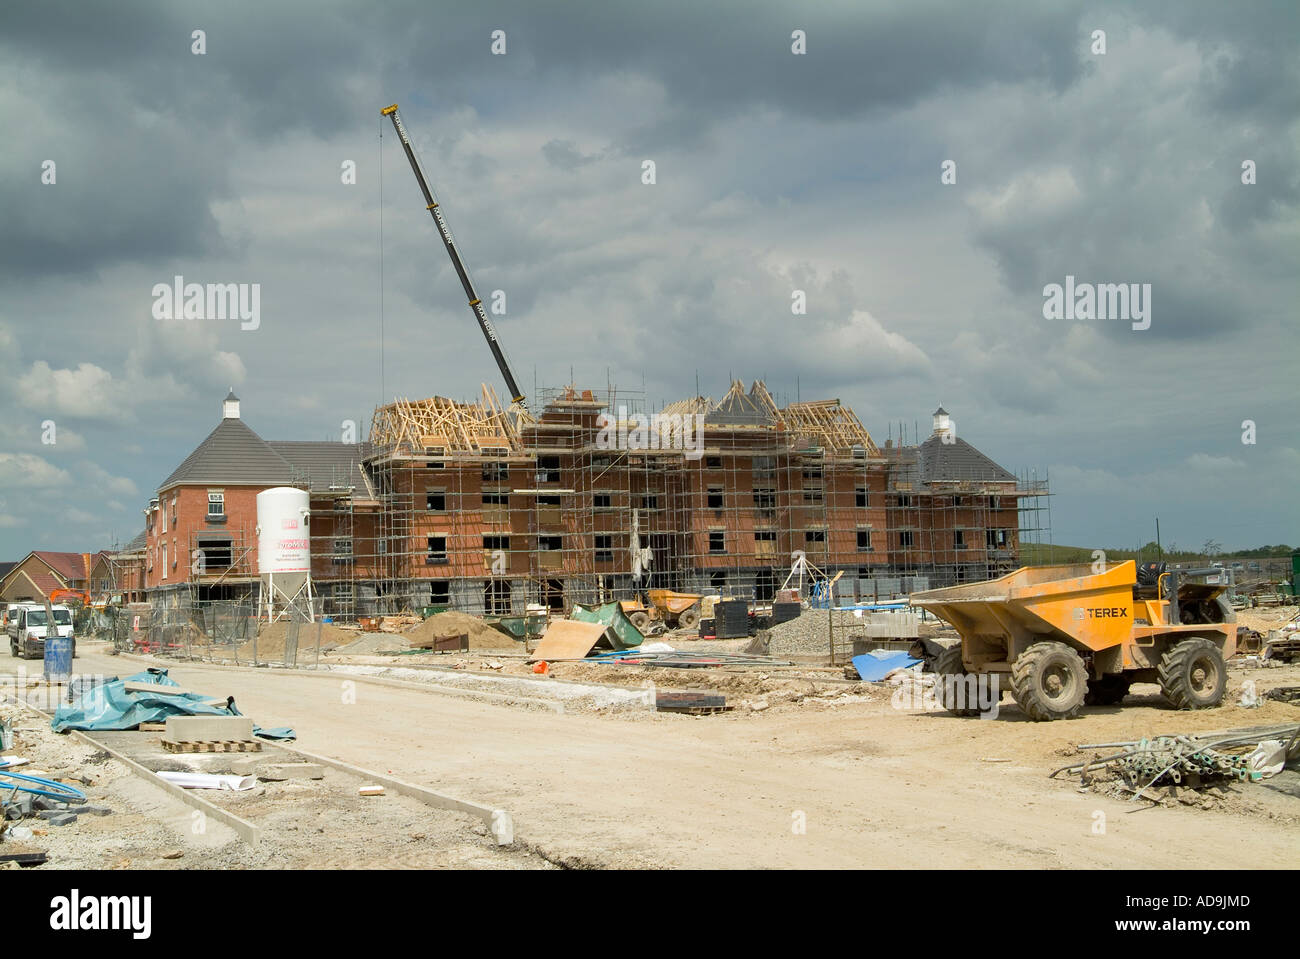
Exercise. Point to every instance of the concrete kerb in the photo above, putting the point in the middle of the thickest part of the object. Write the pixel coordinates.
(499, 822)
(244, 829)
(336, 670)
(358, 677)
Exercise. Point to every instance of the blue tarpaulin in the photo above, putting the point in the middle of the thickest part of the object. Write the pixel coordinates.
(874, 668)
(109, 705)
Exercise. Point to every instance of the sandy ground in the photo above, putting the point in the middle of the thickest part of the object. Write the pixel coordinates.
(832, 779)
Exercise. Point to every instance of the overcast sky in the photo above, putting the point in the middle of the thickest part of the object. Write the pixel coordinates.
(774, 172)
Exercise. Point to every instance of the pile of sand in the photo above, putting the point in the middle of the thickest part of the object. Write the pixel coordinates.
(271, 642)
(451, 623)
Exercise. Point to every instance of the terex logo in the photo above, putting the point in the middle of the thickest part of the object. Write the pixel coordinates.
(74, 912)
(1108, 612)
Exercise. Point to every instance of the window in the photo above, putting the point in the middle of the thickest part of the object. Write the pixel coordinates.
(996, 538)
(164, 560)
(860, 496)
(602, 500)
(904, 500)
(764, 499)
(812, 494)
(764, 536)
(548, 501)
(342, 551)
(959, 539)
(437, 550)
(956, 501)
(649, 502)
(435, 500)
(718, 581)
(717, 541)
(814, 536)
(550, 542)
(496, 542)
(812, 472)
(864, 541)
(216, 503)
(713, 462)
(604, 548)
(715, 497)
(439, 592)
(215, 554)
(495, 472)
(496, 499)
(905, 538)
(548, 469)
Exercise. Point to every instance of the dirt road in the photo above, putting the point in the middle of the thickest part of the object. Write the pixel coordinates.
(855, 785)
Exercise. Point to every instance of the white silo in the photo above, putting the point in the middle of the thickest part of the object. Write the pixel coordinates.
(284, 551)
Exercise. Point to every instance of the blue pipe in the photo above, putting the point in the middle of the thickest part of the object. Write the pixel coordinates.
(60, 791)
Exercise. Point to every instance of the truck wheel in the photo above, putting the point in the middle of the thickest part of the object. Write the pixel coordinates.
(1049, 682)
(1107, 691)
(689, 618)
(640, 619)
(946, 664)
(1193, 674)
(13, 649)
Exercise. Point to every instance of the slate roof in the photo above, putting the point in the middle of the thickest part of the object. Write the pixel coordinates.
(325, 464)
(232, 453)
(958, 461)
(5, 568)
(137, 544)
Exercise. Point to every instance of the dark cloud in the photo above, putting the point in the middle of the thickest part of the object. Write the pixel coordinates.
(775, 172)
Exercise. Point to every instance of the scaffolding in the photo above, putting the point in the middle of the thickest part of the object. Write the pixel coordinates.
(599, 496)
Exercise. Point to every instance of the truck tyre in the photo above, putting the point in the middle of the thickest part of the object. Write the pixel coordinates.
(1193, 674)
(1049, 682)
(948, 663)
(640, 619)
(689, 618)
(1108, 691)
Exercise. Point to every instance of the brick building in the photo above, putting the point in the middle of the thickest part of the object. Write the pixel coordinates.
(486, 509)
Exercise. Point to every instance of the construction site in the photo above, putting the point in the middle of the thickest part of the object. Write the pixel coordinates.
(728, 632)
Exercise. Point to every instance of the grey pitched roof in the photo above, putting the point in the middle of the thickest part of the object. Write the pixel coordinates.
(232, 453)
(324, 464)
(737, 409)
(958, 461)
(137, 543)
(5, 568)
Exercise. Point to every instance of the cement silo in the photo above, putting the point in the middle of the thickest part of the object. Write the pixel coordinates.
(284, 552)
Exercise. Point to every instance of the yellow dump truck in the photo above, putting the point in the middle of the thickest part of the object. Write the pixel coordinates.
(1064, 636)
(673, 609)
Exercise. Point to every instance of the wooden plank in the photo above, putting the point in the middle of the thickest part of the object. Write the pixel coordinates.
(568, 639)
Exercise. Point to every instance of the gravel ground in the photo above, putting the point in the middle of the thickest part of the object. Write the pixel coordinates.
(310, 824)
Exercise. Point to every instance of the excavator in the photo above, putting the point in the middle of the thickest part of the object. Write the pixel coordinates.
(475, 304)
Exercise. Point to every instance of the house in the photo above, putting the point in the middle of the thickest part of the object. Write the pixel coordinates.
(41, 572)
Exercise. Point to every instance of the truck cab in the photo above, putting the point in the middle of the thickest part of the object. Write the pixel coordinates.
(28, 628)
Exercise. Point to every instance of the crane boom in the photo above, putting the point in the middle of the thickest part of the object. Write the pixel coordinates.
(489, 331)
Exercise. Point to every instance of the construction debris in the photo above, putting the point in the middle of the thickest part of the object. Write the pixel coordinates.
(1246, 755)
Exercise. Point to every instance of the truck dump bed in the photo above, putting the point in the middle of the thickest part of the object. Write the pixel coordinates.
(1066, 603)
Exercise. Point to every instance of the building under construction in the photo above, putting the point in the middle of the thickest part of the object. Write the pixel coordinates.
(487, 509)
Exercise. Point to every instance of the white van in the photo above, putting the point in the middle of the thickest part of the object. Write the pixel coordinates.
(27, 629)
